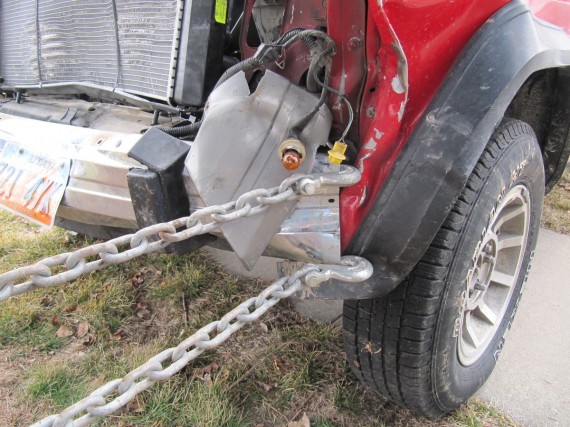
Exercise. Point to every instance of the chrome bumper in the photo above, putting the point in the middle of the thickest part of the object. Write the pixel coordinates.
(98, 192)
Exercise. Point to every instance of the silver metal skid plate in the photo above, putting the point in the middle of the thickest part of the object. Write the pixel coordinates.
(236, 150)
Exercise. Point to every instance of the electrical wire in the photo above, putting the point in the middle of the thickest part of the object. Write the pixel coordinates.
(325, 86)
(310, 37)
(181, 131)
(311, 33)
(300, 125)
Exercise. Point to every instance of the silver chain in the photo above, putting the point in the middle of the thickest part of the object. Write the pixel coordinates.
(170, 361)
(157, 237)
(203, 221)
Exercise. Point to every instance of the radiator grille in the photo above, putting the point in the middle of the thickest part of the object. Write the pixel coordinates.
(123, 44)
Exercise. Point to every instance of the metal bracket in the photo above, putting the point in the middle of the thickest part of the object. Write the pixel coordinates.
(352, 269)
(345, 177)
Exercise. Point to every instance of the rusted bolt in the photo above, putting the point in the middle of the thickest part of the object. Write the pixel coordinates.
(354, 43)
(370, 112)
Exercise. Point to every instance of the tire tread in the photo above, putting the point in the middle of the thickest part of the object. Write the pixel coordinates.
(404, 321)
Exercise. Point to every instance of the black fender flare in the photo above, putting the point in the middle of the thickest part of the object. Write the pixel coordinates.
(449, 139)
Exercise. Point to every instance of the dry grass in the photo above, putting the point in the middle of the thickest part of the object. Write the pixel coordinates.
(556, 214)
(268, 375)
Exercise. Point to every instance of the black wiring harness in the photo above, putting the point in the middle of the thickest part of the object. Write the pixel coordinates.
(321, 48)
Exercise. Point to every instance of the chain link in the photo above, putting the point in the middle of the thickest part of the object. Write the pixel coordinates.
(164, 365)
(172, 360)
(147, 240)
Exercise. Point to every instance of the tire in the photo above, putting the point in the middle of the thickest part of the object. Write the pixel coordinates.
(432, 342)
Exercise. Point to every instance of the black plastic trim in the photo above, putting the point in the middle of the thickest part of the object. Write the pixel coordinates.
(448, 141)
(200, 54)
(158, 193)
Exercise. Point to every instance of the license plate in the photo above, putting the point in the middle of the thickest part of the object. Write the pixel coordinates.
(31, 184)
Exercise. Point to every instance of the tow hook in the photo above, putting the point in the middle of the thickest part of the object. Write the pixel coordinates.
(345, 176)
(351, 269)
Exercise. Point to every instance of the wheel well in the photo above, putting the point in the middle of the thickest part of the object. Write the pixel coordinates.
(543, 102)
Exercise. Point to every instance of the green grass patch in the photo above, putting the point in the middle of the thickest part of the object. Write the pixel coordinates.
(268, 374)
(175, 403)
(28, 331)
(477, 414)
(556, 214)
(58, 385)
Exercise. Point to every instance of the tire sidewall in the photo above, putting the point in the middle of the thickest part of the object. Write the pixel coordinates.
(519, 163)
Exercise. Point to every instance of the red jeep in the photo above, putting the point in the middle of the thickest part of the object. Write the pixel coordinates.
(452, 117)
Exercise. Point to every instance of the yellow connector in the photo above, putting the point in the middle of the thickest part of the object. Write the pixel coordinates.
(336, 155)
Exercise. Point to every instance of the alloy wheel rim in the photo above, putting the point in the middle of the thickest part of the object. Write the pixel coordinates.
(494, 274)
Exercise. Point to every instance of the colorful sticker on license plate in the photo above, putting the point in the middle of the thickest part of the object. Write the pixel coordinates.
(32, 184)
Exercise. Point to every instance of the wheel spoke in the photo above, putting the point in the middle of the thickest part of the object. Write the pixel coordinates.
(470, 332)
(486, 313)
(492, 279)
(507, 214)
(502, 279)
(509, 241)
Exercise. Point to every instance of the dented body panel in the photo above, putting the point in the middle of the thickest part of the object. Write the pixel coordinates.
(440, 148)
(419, 42)
(427, 80)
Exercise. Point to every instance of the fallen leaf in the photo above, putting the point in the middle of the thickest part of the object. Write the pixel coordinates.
(137, 279)
(265, 387)
(64, 332)
(264, 327)
(88, 340)
(210, 368)
(55, 320)
(136, 406)
(303, 422)
(118, 335)
(205, 372)
(70, 308)
(82, 329)
(144, 314)
(277, 364)
(46, 301)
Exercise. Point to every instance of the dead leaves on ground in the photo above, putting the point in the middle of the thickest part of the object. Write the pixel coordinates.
(64, 332)
(303, 422)
(205, 373)
(143, 274)
(81, 331)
